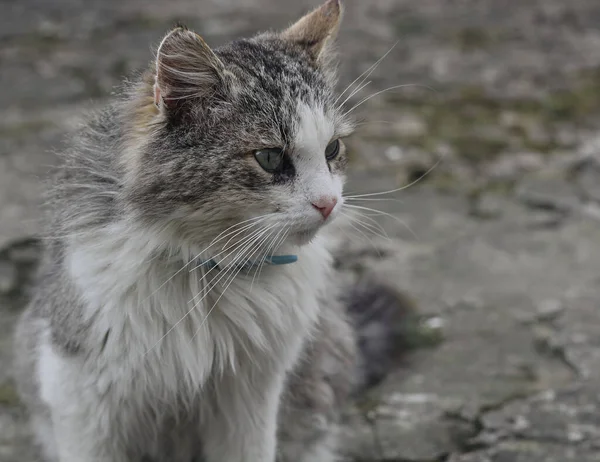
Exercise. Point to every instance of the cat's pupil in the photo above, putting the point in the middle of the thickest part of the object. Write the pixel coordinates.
(270, 159)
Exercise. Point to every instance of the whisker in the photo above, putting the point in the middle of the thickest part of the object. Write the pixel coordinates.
(281, 240)
(235, 245)
(368, 72)
(366, 237)
(236, 232)
(373, 122)
(359, 199)
(226, 245)
(267, 251)
(275, 248)
(193, 259)
(380, 212)
(368, 227)
(364, 100)
(412, 183)
(233, 275)
(280, 243)
(246, 242)
(374, 223)
(235, 248)
(206, 292)
(240, 223)
(277, 245)
(341, 228)
(226, 271)
(371, 229)
(354, 92)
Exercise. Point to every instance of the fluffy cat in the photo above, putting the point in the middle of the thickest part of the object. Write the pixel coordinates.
(157, 331)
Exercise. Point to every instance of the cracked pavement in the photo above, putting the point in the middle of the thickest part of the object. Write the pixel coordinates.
(498, 246)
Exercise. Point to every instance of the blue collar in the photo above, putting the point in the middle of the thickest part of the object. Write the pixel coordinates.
(270, 260)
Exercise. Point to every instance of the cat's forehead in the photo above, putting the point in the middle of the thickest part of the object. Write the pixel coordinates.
(274, 71)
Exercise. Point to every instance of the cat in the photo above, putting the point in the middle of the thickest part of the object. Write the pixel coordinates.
(187, 308)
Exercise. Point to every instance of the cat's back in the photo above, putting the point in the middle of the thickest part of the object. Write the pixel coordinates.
(81, 191)
(81, 194)
(83, 187)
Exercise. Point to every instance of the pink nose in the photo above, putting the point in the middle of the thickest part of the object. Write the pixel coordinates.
(325, 205)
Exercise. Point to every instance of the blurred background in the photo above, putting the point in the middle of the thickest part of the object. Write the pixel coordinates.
(498, 245)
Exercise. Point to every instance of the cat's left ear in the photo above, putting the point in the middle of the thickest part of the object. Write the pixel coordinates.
(316, 32)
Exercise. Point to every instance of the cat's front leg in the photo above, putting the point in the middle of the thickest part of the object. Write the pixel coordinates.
(79, 439)
(243, 422)
(83, 418)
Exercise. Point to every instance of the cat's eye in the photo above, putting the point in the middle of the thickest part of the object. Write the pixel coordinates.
(332, 150)
(270, 159)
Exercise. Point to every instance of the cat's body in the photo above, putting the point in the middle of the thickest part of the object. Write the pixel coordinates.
(109, 373)
(133, 348)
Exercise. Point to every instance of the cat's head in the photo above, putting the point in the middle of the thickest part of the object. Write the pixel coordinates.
(247, 130)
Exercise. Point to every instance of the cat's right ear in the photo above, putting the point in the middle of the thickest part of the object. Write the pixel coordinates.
(186, 70)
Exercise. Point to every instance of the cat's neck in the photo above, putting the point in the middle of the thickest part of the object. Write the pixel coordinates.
(122, 257)
(151, 298)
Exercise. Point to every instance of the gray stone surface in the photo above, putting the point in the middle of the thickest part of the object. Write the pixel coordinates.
(498, 246)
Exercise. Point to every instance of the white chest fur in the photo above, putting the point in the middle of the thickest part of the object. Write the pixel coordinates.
(150, 322)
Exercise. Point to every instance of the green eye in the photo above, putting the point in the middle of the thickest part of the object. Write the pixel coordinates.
(269, 159)
(332, 150)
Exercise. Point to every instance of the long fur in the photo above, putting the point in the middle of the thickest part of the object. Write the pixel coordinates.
(133, 349)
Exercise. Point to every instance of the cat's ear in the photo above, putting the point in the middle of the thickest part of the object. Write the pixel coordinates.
(316, 32)
(186, 69)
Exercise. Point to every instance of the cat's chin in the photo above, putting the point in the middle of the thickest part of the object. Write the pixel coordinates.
(303, 237)
(307, 234)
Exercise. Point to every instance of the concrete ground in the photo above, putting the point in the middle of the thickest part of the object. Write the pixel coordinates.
(498, 246)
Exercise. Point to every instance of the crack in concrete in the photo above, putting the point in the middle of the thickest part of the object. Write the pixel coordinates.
(476, 443)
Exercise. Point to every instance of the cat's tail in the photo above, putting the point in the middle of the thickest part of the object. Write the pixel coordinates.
(383, 318)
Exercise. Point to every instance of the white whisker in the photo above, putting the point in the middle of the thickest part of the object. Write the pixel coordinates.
(359, 199)
(228, 282)
(277, 244)
(374, 225)
(248, 242)
(267, 251)
(365, 236)
(234, 246)
(368, 227)
(368, 72)
(341, 228)
(214, 241)
(412, 183)
(226, 245)
(373, 122)
(358, 89)
(275, 248)
(364, 100)
(206, 291)
(380, 212)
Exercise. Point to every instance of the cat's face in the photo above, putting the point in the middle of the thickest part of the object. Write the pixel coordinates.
(248, 130)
